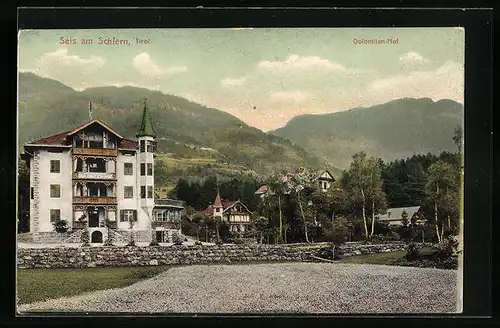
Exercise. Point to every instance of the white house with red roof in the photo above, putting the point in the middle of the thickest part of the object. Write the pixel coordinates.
(92, 175)
(233, 212)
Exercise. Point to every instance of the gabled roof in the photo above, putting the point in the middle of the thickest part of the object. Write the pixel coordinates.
(321, 172)
(225, 205)
(396, 213)
(55, 140)
(61, 140)
(104, 125)
(231, 204)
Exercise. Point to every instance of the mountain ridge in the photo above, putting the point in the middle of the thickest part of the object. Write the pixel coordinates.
(48, 107)
(393, 130)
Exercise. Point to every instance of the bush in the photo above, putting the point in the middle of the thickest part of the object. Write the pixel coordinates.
(154, 242)
(199, 243)
(239, 241)
(131, 243)
(61, 226)
(413, 252)
(85, 238)
(176, 239)
(382, 238)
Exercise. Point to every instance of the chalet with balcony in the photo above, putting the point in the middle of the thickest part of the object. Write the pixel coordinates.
(234, 213)
(93, 177)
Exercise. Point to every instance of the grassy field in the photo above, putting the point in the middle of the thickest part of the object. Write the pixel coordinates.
(389, 258)
(40, 284)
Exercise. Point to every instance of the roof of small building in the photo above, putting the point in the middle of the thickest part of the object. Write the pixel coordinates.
(224, 204)
(262, 190)
(396, 213)
(166, 202)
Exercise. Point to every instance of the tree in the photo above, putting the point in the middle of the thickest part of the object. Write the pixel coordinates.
(442, 188)
(131, 222)
(304, 183)
(61, 226)
(458, 137)
(364, 183)
(277, 189)
(109, 240)
(336, 233)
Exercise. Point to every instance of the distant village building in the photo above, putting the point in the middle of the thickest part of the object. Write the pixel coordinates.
(234, 213)
(91, 175)
(324, 179)
(394, 216)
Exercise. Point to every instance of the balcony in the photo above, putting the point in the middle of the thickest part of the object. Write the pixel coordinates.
(94, 175)
(102, 200)
(164, 224)
(95, 151)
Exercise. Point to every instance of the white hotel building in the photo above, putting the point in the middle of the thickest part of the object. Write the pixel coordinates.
(92, 176)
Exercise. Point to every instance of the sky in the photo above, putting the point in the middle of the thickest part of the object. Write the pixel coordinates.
(265, 77)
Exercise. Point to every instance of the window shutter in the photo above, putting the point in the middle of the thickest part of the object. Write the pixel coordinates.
(135, 215)
(122, 216)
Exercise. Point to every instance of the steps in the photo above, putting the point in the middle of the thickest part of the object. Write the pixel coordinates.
(75, 237)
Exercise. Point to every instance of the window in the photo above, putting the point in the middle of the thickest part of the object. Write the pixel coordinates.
(128, 169)
(151, 146)
(32, 193)
(55, 166)
(143, 145)
(217, 210)
(160, 216)
(128, 191)
(55, 215)
(143, 191)
(143, 169)
(128, 215)
(150, 191)
(150, 168)
(55, 191)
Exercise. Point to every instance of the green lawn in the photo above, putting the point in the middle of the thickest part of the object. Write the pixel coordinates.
(41, 284)
(389, 258)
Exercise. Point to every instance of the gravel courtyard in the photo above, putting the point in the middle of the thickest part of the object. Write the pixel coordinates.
(276, 288)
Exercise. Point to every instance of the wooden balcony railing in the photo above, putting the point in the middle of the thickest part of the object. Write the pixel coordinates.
(103, 200)
(95, 151)
(94, 175)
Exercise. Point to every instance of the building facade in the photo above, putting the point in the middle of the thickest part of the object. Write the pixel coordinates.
(94, 178)
(234, 213)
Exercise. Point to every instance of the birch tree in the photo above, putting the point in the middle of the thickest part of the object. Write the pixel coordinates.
(363, 179)
(442, 189)
(306, 181)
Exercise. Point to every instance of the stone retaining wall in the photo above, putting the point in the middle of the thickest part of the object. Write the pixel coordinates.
(114, 256)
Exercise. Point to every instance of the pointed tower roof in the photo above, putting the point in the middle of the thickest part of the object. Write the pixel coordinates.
(146, 127)
(218, 201)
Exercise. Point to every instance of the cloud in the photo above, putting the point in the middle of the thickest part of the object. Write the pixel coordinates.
(445, 82)
(289, 96)
(148, 67)
(298, 63)
(50, 63)
(413, 57)
(230, 82)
